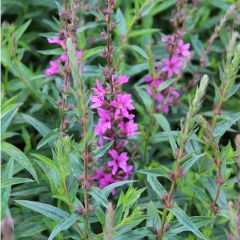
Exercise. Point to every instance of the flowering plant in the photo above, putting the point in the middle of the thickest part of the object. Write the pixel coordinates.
(121, 120)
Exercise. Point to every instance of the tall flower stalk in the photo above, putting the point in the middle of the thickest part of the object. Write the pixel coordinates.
(186, 131)
(66, 66)
(223, 93)
(115, 119)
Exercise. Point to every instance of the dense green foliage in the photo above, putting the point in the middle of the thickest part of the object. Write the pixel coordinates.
(185, 179)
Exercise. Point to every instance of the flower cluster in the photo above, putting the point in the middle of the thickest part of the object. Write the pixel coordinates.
(166, 69)
(115, 124)
(62, 61)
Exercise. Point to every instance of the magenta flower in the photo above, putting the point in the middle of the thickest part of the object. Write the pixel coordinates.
(128, 128)
(118, 161)
(98, 99)
(99, 90)
(123, 103)
(172, 66)
(79, 54)
(104, 122)
(62, 58)
(183, 49)
(53, 69)
(105, 180)
(58, 41)
(122, 79)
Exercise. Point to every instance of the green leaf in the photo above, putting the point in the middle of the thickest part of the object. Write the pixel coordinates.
(56, 51)
(153, 220)
(144, 96)
(30, 227)
(107, 190)
(102, 150)
(87, 26)
(188, 164)
(137, 49)
(137, 33)
(99, 196)
(7, 114)
(165, 85)
(73, 61)
(163, 136)
(65, 224)
(136, 69)
(14, 181)
(121, 22)
(5, 193)
(211, 187)
(20, 157)
(50, 170)
(100, 215)
(128, 224)
(46, 160)
(199, 221)
(223, 126)
(148, 7)
(155, 184)
(39, 126)
(137, 234)
(47, 210)
(20, 31)
(185, 221)
(48, 138)
(163, 122)
(91, 52)
(162, 7)
(160, 172)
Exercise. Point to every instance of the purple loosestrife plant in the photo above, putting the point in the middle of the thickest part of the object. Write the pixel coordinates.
(115, 118)
(115, 124)
(69, 137)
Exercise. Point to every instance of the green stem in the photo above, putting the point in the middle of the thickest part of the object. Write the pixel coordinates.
(179, 157)
(70, 204)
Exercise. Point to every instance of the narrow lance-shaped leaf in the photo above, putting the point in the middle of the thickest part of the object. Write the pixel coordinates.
(65, 224)
(185, 221)
(44, 209)
(20, 31)
(20, 157)
(5, 193)
(38, 125)
(155, 184)
(14, 181)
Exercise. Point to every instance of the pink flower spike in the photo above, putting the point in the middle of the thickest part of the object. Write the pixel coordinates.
(53, 69)
(172, 66)
(183, 49)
